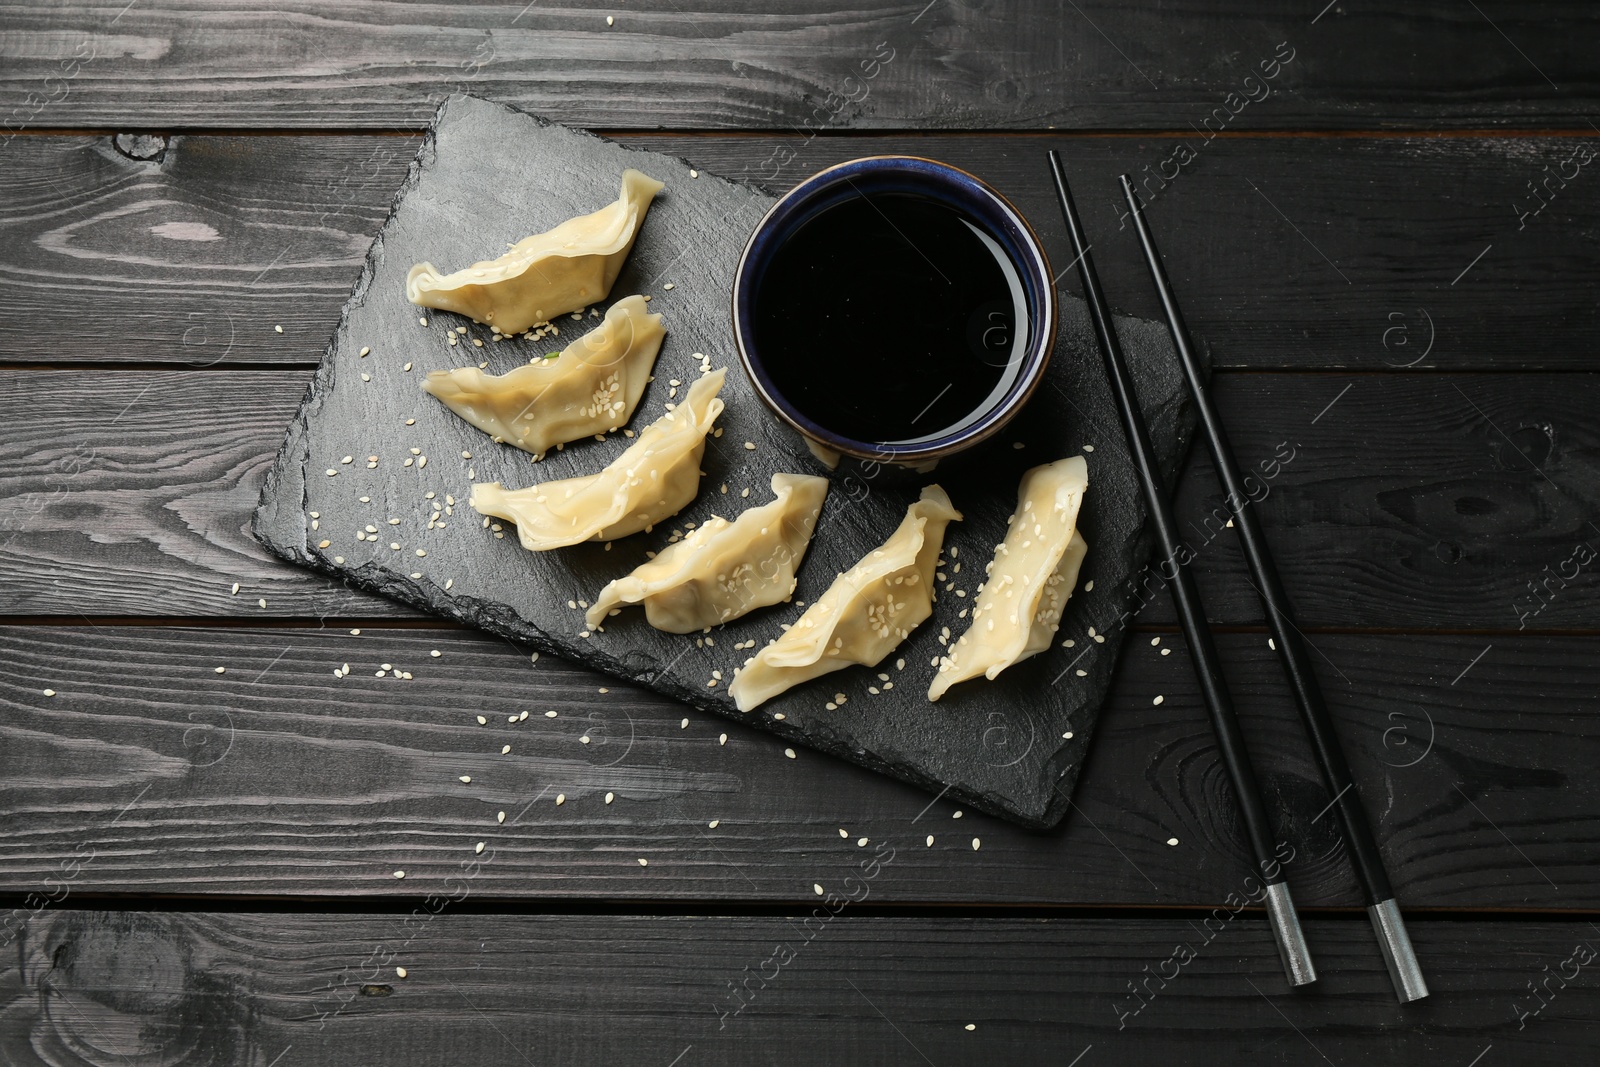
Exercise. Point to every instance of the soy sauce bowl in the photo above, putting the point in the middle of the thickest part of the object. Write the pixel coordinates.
(1001, 230)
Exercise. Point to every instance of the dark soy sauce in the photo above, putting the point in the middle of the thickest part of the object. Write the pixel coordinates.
(891, 319)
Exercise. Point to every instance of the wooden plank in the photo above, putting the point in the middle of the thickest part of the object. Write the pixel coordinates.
(193, 259)
(128, 493)
(115, 987)
(277, 778)
(740, 63)
(1402, 502)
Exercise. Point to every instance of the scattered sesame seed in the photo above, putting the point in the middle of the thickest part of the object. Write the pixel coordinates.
(549, 714)
(1089, 588)
(1017, 445)
(366, 377)
(643, 862)
(49, 692)
(930, 840)
(861, 842)
(399, 874)
(465, 778)
(505, 750)
(277, 329)
(1272, 645)
(956, 814)
(817, 889)
(1155, 641)
(749, 446)
(1158, 700)
(970, 1026)
(789, 752)
(365, 350)
(235, 591)
(1088, 448)
(584, 739)
(482, 721)
(976, 844)
(261, 603)
(561, 798)
(722, 739)
(436, 653)
(684, 725)
(610, 797)
(1166, 651)
(1067, 736)
(478, 847)
(400, 972)
(694, 174)
(500, 816)
(843, 832)
(1081, 673)
(1172, 840)
(610, 21)
(669, 285)
(355, 633)
(222, 670)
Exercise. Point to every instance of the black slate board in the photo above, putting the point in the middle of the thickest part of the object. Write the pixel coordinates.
(488, 175)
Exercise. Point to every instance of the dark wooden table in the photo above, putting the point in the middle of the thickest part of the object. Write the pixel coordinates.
(1389, 245)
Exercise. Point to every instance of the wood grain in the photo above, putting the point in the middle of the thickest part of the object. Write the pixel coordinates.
(277, 778)
(119, 987)
(1288, 252)
(1448, 501)
(741, 63)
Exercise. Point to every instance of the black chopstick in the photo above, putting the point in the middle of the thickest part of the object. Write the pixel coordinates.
(1224, 723)
(1398, 956)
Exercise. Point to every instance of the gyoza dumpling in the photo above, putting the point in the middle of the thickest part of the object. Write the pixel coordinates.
(723, 569)
(1033, 573)
(549, 274)
(591, 387)
(864, 615)
(653, 480)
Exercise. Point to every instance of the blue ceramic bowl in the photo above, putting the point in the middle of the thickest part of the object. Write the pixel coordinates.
(944, 184)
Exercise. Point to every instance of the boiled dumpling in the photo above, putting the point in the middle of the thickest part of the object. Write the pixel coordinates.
(1033, 573)
(723, 569)
(653, 480)
(864, 615)
(549, 274)
(591, 387)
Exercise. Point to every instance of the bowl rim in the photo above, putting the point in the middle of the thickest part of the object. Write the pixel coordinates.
(1048, 316)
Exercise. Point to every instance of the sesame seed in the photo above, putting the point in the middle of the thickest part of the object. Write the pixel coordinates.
(1017, 445)
(400, 972)
(584, 739)
(235, 591)
(478, 847)
(365, 350)
(1172, 840)
(1081, 673)
(49, 692)
(749, 446)
(722, 739)
(976, 844)
(643, 862)
(505, 750)
(482, 721)
(956, 814)
(466, 778)
(549, 714)
(222, 670)
(817, 889)
(1272, 645)
(970, 1026)
(261, 603)
(1067, 736)
(399, 874)
(610, 21)
(277, 329)
(1166, 651)
(669, 285)
(355, 633)
(694, 174)
(789, 752)
(436, 653)
(366, 377)
(1155, 641)
(1089, 588)
(684, 725)
(500, 816)
(561, 798)
(930, 840)
(1088, 448)
(1158, 700)
(610, 797)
